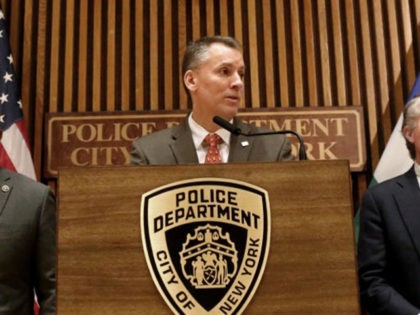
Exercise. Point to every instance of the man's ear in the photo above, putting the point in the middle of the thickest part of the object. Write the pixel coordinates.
(190, 80)
(408, 133)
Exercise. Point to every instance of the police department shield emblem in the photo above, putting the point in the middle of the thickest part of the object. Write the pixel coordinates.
(206, 243)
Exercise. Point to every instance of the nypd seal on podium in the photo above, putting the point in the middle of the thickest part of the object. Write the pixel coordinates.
(206, 242)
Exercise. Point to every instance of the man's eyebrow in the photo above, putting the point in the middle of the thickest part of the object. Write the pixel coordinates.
(230, 64)
(224, 64)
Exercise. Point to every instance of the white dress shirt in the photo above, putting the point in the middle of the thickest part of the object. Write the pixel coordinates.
(198, 135)
(417, 170)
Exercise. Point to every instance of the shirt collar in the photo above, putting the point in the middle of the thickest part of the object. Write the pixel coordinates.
(199, 133)
(417, 169)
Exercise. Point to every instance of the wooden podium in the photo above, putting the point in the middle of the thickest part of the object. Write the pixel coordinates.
(311, 266)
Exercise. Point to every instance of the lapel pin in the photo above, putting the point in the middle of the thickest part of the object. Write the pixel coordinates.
(244, 143)
(5, 188)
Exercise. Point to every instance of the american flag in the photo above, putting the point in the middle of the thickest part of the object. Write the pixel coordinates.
(14, 146)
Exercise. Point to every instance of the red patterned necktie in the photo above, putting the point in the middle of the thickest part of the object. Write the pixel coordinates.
(213, 154)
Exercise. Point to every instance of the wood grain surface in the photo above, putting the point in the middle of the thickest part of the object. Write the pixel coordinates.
(311, 264)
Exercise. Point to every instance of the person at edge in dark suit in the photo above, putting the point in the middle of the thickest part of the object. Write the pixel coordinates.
(213, 70)
(27, 245)
(389, 240)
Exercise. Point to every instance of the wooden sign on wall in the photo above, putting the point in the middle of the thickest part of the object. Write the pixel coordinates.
(104, 139)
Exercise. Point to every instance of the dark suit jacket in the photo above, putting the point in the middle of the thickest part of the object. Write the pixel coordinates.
(175, 146)
(27, 245)
(389, 247)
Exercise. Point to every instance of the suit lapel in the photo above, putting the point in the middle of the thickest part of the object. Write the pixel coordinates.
(184, 151)
(182, 145)
(6, 187)
(408, 201)
(240, 146)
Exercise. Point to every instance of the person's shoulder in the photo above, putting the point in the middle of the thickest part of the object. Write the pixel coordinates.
(388, 185)
(250, 128)
(8, 176)
(157, 135)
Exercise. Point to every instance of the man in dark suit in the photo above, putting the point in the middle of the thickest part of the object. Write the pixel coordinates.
(213, 71)
(27, 245)
(389, 241)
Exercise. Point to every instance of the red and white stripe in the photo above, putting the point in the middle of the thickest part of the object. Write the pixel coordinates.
(14, 150)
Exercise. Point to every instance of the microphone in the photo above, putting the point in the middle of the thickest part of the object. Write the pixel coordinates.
(237, 131)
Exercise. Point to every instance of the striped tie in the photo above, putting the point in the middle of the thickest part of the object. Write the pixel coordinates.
(213, 154)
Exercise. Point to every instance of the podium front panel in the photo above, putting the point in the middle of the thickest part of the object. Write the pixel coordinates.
(311, 266)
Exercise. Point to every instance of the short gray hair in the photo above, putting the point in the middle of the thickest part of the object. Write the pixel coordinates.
(410, 115)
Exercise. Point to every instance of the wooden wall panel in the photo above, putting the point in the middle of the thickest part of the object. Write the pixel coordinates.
(54, 53)
(252, 81)
(181, 31)
(295, 25)
(68, 56)
(282, 45)
(35, 100)
(110, 65)
(154, 38)
(139, 56)
(82, 44)
(340, 74)
(96, 37)
(352, 51)
(126, 87)
(367, 75)
(310, 53)
(168, 86)
(325, 62)
(107, 55)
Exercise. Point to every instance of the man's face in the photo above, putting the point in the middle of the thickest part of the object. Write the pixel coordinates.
(413, 135)
(217, 84)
